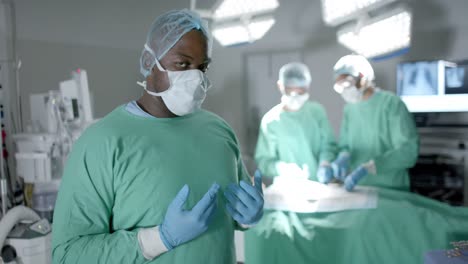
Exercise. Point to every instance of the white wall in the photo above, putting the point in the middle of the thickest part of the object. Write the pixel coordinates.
(112, 72)
(103, 37)
(4, 31)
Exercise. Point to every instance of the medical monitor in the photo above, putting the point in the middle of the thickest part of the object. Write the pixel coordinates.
(433, 86)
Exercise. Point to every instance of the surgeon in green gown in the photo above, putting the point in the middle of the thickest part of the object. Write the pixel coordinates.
(378, 136)
(295, 138)
(142, 184)
(378, 139)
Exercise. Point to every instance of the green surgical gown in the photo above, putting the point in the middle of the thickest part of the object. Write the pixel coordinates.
(304, 137)
(121, 176)
(402, 228)
(381, 129)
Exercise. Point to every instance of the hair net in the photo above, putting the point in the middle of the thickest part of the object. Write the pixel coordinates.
(354, 65)
(295, 74)
(166, 30)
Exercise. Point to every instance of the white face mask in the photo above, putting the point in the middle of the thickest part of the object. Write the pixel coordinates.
(186, 92)
(352, 95)
(348, 90)
(294, 101)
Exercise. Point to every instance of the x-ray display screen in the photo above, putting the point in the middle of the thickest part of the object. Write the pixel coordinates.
(456, 78)
(433, 86)
(418, 78)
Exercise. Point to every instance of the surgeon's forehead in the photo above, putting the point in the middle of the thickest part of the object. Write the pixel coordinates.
(295, 88)
(193, 44)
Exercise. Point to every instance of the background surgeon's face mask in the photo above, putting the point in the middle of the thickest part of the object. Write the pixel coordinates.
(186, 92)
(294, 101)
(352, 95)
(348, 90)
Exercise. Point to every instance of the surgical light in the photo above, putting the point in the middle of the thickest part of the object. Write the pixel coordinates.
(237, 22)
(237, 8)
(335, 12)
(241, 32)
(379, 36)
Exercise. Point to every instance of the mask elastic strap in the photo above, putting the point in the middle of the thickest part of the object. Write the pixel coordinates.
(153, 93)
(155, 58)
(143, 84)
(159, 65)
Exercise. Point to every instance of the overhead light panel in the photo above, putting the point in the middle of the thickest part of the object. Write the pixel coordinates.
(259, 28)
(237, 22)
(228, 9)
(380, 35)
(335, 12)
(241, 32)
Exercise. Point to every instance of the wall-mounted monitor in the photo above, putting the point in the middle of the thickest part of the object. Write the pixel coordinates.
(433, 86)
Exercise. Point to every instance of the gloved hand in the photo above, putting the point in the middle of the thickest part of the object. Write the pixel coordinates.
(325, 173)
(179, 225)
(352, 180)
(245, 202)
(291, 170)
(340, 166)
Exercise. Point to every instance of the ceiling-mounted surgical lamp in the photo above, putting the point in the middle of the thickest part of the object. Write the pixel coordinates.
(335, 12)
(236, 22)
(379, 36)
(229, 9)
(240, 32)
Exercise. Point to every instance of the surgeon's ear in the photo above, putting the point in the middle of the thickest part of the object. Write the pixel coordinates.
(363, 82)
(360, 82)
(280, 86)
(146, 60)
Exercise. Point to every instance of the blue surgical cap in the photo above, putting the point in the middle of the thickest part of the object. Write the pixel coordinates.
(166, 31)
(295, 74)
(354, 65)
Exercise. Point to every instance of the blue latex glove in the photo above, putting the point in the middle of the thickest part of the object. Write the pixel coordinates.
(352, 180)
(245, 202)
(325, 174)
(179, 225)
(340, 166)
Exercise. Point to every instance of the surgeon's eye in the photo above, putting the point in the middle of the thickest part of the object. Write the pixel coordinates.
(182, 65)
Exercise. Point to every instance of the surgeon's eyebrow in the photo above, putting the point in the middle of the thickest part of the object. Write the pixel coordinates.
(207, 60)
(185, 55)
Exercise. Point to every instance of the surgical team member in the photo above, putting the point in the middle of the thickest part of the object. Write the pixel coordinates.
(295, 137)
(141, 185)
(378, 139)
